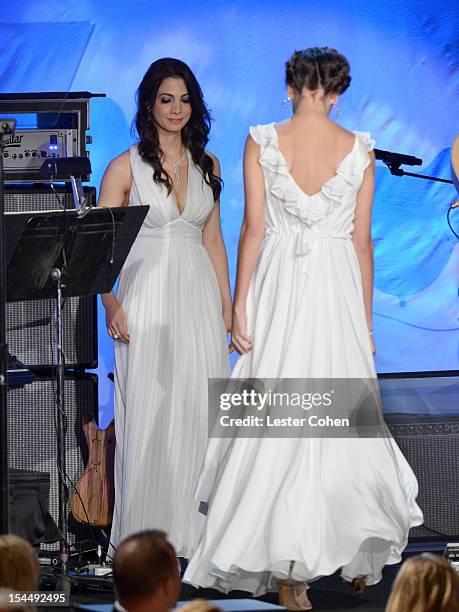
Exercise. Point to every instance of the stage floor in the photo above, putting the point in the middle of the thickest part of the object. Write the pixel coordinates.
(330, 594)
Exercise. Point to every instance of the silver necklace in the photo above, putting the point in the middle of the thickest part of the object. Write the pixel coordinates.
(175, 166)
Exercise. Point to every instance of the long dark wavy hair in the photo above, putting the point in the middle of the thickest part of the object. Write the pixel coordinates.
(195, 135)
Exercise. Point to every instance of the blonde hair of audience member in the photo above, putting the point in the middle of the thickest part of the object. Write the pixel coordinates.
(200, 605)
(6, 604)
(19, 566)
(425, 583)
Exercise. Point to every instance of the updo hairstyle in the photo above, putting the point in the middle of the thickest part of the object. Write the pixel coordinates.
(318, 67)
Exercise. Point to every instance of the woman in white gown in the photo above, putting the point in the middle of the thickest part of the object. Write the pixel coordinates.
(283, 512)
(172, 309)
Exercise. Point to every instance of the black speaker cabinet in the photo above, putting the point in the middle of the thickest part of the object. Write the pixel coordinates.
(431, 447)
(30, 327)
(29, 507)
(32, 436)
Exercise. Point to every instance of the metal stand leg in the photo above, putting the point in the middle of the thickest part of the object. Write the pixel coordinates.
(64, 583)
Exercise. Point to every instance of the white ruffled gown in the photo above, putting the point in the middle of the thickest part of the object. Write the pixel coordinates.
(323, 503)
(170, 293)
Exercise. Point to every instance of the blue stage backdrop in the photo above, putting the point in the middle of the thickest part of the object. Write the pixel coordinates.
(404, 57)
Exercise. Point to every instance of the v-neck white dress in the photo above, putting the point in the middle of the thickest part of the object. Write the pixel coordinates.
(324, 503)
(169, 290)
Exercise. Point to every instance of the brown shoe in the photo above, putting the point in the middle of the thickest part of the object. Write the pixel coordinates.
(293, 595)
(359, 583)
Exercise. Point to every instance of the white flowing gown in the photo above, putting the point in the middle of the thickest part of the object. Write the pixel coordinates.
(169, 290)
(321, 502)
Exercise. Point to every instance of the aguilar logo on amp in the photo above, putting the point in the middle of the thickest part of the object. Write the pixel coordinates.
(12, 140)
(24, 151)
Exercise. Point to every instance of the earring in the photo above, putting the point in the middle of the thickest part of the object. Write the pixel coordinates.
(335, 109)
(286, 101)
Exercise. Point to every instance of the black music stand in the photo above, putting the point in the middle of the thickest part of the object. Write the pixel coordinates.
(56, 254)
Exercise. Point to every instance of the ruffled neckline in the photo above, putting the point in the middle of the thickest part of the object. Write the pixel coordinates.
(311, 208)
(325, 185)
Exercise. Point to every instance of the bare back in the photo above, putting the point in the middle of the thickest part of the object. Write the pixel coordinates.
(313, 148)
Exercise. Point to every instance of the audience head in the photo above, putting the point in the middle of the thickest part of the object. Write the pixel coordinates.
(19, 566)
(146, 572)
(6, 604)
(425, 583)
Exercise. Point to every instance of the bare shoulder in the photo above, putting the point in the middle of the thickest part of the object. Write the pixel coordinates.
(346, 136)
(119, 169)
(283, 126)
(251, 145)
(121, 164)
(116, 182)
(215, 162)
(213, 157)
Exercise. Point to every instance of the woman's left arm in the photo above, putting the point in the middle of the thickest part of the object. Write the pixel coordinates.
(212, 241)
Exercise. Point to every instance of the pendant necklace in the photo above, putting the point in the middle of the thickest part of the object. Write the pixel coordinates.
(175, 166)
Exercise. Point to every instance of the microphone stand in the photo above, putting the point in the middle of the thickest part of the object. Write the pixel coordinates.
(63, 583)
(58, 276)
(394, 160)
(82, 206)
(6, 127)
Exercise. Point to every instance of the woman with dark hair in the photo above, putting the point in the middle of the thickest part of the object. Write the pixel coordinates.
(172, 309)
(286, 508)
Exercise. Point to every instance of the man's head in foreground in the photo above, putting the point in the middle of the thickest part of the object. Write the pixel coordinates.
(146, 572)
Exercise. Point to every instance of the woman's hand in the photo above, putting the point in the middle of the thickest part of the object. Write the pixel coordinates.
(227, 315)
(116, 322)
(239, 336)
(372, 344)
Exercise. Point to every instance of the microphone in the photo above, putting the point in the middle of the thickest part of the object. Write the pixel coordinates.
(71, 169)
(399, 158)
(394, 160)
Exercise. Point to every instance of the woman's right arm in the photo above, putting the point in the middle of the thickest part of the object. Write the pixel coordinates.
(114, 192)
(363, 244)
(252, 232)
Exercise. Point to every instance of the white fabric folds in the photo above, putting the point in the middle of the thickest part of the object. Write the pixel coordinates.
(324, 503)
